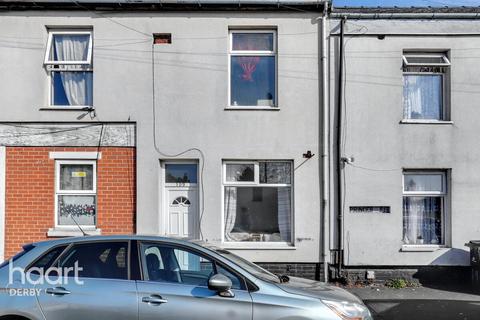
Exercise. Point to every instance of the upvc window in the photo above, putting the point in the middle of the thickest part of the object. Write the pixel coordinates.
(253, 75)
(76, 193)
(68, 60)
(424, 206)
(258, 201)
(425, 77)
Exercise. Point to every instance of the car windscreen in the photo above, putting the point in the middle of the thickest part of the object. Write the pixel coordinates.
(248, 266)
(26, 249)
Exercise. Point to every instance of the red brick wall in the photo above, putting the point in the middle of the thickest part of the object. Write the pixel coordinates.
(30, 190)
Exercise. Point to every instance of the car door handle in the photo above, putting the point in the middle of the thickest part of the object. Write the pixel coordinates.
(58, 291)
(156, 300)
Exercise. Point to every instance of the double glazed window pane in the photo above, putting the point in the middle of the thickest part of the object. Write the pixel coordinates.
(422, 220)
(252, 81)
(72, 88)
(77, 177)
(70, 47)
(258, 214)
(240, 172)
(252, 41)
(424, 182)
(181, 173)
(275, 172)
(423, 96)
(77, 209)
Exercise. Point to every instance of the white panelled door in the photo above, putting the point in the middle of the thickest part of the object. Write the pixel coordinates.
(182, 212)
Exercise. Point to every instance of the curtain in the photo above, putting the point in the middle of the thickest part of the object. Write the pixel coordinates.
(77, 85)
(422, 220)
(230, 211)
(422, 96)
(284, 216)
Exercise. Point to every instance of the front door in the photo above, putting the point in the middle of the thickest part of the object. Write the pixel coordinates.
(181, 195)
(175, 287)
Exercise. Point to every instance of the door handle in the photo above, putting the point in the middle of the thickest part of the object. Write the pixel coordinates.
(58, 291)
(154, 299)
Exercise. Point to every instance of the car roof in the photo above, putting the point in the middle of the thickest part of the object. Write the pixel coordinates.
(68, 240)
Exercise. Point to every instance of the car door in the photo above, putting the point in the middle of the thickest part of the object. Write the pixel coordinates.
(102, 289)
(175, 286)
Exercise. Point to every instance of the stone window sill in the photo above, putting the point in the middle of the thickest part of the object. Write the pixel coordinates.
(421, 247)
(72, 232)
(435, 122)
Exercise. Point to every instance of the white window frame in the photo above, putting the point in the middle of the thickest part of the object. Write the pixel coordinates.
(262, 53)
(258, 244)
(444, 116)
(437, 194)
(59, 66)
(59, 192)
(48, 52)
(446, 61)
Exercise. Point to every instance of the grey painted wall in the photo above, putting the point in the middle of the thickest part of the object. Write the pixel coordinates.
(377, 140)
(191, 94)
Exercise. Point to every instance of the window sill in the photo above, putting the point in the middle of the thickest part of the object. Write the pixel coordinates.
(437, 122)
(72, 232)
(421, 247)
(260, 108)
(67, 108)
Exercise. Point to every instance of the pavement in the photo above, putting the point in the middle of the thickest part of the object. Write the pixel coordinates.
(441, 302)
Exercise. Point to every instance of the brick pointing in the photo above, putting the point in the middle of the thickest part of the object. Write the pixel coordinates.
(30, 190)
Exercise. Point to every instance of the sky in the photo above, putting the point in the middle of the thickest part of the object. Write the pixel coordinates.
(405, 3)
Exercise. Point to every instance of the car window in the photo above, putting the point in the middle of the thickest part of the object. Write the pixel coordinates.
(46, 261)
(163, 263)
(98, 260)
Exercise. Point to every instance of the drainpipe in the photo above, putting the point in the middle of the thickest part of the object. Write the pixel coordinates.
(326, 147)
(339, 149)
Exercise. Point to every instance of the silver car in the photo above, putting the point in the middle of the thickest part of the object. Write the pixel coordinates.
(140, 277)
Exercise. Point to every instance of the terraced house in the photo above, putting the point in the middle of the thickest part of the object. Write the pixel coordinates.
(198, 119)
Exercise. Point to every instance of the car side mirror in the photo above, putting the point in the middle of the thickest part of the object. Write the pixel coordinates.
(222, 285)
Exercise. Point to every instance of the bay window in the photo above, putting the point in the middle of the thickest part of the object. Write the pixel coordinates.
(253, 68)
(424, 206)
(425, 82)
(258, 201)
(75, 198)
(68, 60)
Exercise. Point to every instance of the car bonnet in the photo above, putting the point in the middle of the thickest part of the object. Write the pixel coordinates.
(318, 290)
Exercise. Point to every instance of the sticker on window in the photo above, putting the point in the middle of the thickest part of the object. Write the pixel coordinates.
(79, 174)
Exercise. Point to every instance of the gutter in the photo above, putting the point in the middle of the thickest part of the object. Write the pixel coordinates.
(405, 15)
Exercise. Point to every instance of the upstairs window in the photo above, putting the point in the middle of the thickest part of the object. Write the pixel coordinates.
(424, 86)
(68, 60)
(253, 56)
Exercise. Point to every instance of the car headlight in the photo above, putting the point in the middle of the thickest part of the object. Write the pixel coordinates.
(349, 310)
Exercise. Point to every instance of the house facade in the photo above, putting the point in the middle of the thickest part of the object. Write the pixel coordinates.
(199, 121)
(406, 146)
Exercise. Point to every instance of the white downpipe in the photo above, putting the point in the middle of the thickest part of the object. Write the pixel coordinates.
(326, 148)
